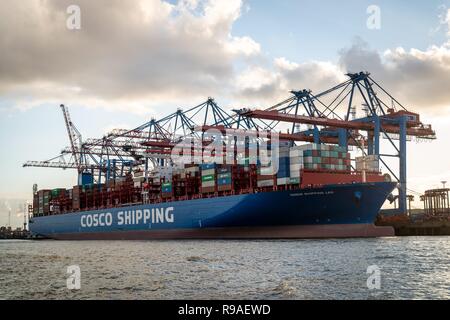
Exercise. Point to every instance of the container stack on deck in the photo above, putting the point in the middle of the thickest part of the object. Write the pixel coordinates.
(295, 163)
(368, 163)
(167, 190)
(290, 167)
(326, 157)
(208, 171)
(224, 178)
(192, 179)
(283, 172)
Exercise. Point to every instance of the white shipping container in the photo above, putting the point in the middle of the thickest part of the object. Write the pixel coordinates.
(139, 174)
(267, 171)
(137, 184)
(302, 147)
(265, 183)
(296, 160)
(295, 170)
(206, 184)
(283, 181)
(208, 172)
(192, 170)
(372, 157)
(296, 153)
(369, 158)
(372, 165)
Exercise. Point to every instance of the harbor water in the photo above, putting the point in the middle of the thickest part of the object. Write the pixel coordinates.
(405, 268)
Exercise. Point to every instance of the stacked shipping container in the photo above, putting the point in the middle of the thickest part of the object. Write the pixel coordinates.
(326, 157)
(224, 178)
(295, 163)
(283, 173)
(208, 174)
(369, 163)
(167, 183)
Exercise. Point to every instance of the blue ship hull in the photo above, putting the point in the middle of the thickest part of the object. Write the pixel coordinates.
(346, 210)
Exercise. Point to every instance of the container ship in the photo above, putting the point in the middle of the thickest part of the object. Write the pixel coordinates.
(280, 172)
(312, 193)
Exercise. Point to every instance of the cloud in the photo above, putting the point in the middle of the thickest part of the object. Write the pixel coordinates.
(443, 21)
(143, 50)
(418, 78)
(135, 55)
(266, 85)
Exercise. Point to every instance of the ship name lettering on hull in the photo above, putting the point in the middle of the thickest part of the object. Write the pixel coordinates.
(129, 217)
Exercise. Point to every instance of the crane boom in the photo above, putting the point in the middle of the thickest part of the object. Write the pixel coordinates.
(74, 136)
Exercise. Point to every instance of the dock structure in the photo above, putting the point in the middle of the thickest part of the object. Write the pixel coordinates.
(436, 201)
(10, 233)
(433, 220)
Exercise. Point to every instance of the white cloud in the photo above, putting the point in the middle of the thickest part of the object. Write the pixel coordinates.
(283, 63)
(418, 78)
(140, 52)
(269, 85)
(243, 45)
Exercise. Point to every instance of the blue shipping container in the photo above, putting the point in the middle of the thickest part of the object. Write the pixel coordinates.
(224, 181)
(86, 178)
(207, 166)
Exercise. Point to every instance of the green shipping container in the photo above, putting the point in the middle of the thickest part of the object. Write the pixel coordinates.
(309, 166)
(208, 178)
(57, 192)
(317, 160)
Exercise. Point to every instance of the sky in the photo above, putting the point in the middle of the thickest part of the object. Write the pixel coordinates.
(133, 60)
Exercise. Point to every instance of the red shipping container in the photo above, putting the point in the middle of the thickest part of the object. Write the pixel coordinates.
(226, 187)
(265, 177)
(324, 178)
(208, 190)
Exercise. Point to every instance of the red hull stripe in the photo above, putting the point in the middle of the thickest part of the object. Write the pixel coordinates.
(277, 232)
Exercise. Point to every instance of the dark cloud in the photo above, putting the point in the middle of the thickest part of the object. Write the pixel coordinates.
(419, 79)
(141, 49)
(151, 51)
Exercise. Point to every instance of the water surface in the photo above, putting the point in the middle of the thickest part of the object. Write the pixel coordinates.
(410, 267)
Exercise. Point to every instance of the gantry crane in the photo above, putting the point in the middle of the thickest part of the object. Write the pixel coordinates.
(393, 122)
